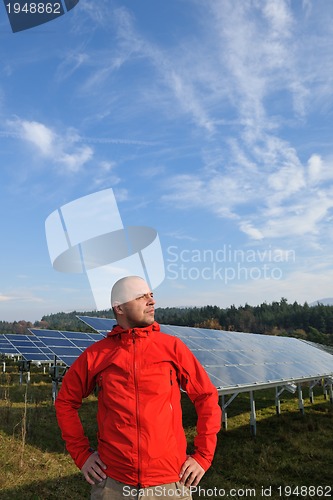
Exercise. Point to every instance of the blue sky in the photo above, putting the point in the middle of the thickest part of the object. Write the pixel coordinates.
(211, 120)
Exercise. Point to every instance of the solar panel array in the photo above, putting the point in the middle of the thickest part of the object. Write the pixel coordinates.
(236, 360)
(233, 360)
(66, 346)
(43, 345)
(6, 347)
(27, 347)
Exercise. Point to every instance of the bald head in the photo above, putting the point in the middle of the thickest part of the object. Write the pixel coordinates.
(132, 302)
(127, 289)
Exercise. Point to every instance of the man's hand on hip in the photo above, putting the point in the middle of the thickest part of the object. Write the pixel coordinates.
(93, 469)
(191, 472)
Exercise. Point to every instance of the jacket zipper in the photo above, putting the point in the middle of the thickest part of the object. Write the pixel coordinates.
(135, 369)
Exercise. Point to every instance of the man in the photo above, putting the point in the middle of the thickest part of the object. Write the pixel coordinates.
(139, 371)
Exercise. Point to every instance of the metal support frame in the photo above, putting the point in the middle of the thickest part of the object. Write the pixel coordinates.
(54, 390)
(287, 387)
(224, 406)
(253, 418)
(56, 372)
(312, 385)
(224, 413)
(277, 400)
(300, 399)
(24, 367)
(328, 385)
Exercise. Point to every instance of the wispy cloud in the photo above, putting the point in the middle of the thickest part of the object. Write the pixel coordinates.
(62, 149)
(71, 63)
(24, 296)
(37, 134)
(180, 235)
(105, 175)
(5, 298)
(287, 202)
(120, 141)
(172, 87)
(258, 55)
(256, 48)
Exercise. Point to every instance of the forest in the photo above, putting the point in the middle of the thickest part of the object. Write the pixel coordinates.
(313, 323)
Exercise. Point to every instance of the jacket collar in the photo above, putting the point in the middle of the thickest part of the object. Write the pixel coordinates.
(138, 332)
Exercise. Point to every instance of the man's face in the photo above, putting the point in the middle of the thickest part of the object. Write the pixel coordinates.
(139, 311)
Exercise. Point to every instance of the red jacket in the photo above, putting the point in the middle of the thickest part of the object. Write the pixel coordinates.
(139, 373)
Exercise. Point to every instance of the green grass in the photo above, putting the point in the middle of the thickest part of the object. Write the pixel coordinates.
(288, 450)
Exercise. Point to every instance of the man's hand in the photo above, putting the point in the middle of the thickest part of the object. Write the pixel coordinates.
(191, 472)
(93, 469)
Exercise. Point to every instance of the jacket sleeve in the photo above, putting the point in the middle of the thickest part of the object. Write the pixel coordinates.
(76, 385)
(197, 384)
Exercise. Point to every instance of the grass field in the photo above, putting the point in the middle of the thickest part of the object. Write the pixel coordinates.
(290, 457)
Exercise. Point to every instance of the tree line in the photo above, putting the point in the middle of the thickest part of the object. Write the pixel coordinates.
(313, 323)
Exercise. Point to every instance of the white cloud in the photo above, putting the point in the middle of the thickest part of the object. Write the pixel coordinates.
(70, 64)
(155, 171)
(285, 181)
(5, 298)
(251, 231)
(279, 17)
(75, 160)
(21, 295)
(314, 168)
(105, 175)
(39, 135)
(60, 149)
(186, 96)
(280, 204)
(110, 140)
(319, 170)
(121, 194)
(180, 235)
(301, 218)
(107, 166)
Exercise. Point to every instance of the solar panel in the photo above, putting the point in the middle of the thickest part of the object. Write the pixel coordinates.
(237, 360)
(102, 325)
(25, 346)
(6, 347)
(66, 346)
